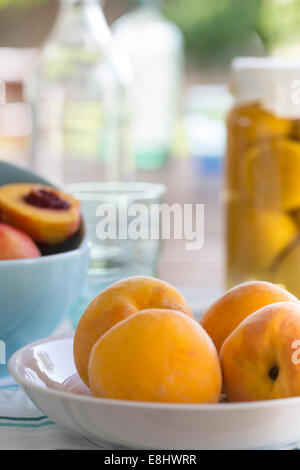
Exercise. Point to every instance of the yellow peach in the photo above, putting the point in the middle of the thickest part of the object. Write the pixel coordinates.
(259, 359)
(117, 302)
(238, 303)
(158, 356)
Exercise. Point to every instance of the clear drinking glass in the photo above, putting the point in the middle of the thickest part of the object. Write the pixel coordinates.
(119, 253)
(123, 222)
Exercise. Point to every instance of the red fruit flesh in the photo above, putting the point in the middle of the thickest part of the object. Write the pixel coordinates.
(45, 199)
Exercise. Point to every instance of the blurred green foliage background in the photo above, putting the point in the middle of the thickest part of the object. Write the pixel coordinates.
(213, 29)
(19, 3)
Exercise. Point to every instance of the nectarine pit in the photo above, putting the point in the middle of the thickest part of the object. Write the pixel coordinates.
(274, 372)
(45, 199)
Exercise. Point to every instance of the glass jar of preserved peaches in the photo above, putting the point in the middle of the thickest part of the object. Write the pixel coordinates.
(263, 173)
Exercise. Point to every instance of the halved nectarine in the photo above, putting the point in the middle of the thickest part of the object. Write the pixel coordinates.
(46, 214)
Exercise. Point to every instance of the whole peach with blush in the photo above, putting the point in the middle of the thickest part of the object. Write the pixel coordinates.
(260, 360)
(223, 316)
(158, 356)
(119, 301)
(15, 244)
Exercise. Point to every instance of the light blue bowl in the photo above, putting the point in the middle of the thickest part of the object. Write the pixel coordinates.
(37, 294)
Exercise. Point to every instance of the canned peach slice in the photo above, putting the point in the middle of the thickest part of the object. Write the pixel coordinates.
(255, 237)
(247, 125)
(286, 268)
(270, 174)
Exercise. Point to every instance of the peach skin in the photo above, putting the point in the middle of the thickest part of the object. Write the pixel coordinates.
(235, 305)
(158, 356)
(114, 304)
(46, 214)
(260, 359)
(15, 244)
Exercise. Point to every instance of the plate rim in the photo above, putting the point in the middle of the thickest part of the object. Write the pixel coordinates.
(195, 407)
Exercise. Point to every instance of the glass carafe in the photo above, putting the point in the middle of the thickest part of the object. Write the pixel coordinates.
(155, 49)
(79, 92)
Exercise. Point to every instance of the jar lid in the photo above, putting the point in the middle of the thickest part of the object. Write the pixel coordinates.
(274, 82)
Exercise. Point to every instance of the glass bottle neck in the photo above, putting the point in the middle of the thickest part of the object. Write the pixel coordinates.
(81, 17)
(154, 5)
(79, 2)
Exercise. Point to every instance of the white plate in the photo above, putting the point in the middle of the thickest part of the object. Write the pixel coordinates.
(46, 371)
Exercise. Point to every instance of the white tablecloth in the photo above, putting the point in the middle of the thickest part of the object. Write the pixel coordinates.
(23, 426)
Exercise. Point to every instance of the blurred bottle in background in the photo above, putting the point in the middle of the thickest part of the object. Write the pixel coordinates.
(155, 49)
(15, 125)
(204, 121)
(79, 92)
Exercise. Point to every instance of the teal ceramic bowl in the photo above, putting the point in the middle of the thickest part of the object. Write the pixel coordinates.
(37, 294)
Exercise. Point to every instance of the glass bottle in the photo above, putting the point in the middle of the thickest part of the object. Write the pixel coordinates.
(154, 46)
(79, 90)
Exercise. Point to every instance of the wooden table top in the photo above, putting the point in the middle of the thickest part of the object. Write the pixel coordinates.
(203, 269)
